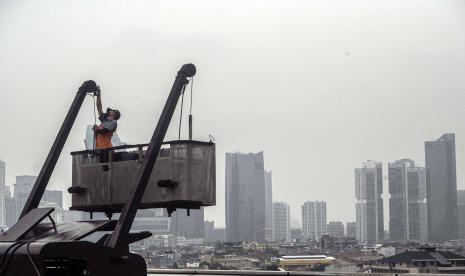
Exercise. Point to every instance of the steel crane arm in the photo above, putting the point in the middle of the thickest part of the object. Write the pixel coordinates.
(120, 236)
(44, 176)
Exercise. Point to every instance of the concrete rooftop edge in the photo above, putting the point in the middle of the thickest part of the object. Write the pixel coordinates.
(272, 273)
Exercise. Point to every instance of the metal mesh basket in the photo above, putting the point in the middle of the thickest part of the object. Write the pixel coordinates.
(103, 180)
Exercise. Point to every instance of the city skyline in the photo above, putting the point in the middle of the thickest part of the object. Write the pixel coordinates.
(196, 226)
(232, 137)
(324, 72)
(267, 177)
(269, 191)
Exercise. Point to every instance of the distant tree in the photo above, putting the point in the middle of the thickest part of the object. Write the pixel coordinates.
(204, 263)
(175, 265)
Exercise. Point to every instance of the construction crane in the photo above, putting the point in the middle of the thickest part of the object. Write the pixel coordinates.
(176, 174)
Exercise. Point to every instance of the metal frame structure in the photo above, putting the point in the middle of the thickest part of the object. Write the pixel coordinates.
(32, 246)
(46, 172)
(119, 237)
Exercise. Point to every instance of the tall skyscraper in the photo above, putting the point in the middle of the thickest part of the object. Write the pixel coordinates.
(281, 222)
(407, 205)
(245, 197)
(209, 229)
(268, 206)
(10, 207)
(441, 188)
(369, 205)
(314, 219)
(219, 235)
(351, 229)
(191, 226)
(461, 214)
(22, 189)
(89, 141)
(10, 211)
(335, 229)
(2, 195)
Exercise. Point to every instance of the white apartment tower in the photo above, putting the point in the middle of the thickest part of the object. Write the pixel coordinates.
(2, 194)
(268, 206)
(407, 205)
(281, 222)
(369, 205)
(314, 219)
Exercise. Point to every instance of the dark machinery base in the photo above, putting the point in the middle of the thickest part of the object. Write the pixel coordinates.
(67, 258)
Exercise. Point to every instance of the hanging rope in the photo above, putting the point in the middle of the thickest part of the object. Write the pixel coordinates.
(192, 88)
(95, 122)
(180, 116)
(182, 105)
(190, 110)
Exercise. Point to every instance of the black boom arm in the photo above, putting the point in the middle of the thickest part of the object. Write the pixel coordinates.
(119, 238)
(42, 180)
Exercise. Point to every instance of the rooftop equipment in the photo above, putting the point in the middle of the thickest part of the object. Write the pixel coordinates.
(183, 177)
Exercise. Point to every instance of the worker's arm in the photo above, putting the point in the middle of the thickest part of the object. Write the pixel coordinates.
(99, 104)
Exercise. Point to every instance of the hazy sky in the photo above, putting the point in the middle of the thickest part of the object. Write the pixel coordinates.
(319, 86)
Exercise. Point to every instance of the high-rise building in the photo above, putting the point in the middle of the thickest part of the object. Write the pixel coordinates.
(335, 229)
(314, 219)
(2, 195)
(351, 229)
(10, 207)
(296, 233)
(281, 222)
(188, 225)
(22, 189)
(219, 235)
(268, 206)
(369, 205)
(209, 229)
(8, 191)
(461, 214)
(89, 141)
(10, 211)
(53, 196)
(441, 188)
(245, 197)
(407, 205)
(213, 234)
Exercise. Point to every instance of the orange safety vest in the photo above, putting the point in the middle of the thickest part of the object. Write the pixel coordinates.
(103, 140)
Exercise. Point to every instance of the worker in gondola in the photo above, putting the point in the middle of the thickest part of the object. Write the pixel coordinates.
(108, 124)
